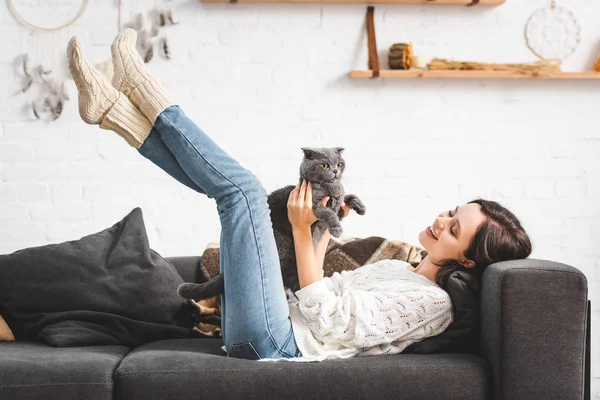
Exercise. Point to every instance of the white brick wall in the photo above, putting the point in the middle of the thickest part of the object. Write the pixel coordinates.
(265, 80)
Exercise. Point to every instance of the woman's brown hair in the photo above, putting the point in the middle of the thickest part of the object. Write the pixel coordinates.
(500, 238)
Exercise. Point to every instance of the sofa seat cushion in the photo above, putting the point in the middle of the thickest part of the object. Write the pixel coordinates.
(184, 368)
(37, 371)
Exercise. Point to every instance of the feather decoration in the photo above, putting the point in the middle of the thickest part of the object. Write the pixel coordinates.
(37, 115)
(28, 78)
(52, 94)
(149, 54)
(169, 14)
(165, 48)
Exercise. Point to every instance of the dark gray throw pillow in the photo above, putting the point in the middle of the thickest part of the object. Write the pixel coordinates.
(105, 288)
(462, 335)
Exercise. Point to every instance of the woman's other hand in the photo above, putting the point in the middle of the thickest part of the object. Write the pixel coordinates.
(346, 209)
(299, 205)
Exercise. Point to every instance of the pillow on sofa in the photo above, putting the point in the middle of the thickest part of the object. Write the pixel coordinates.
(462, 335)
(105, 288)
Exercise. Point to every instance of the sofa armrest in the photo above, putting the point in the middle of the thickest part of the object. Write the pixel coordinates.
(533, 327)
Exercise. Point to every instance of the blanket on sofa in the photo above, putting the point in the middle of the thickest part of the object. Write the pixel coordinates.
(345, 253)
(348, 253)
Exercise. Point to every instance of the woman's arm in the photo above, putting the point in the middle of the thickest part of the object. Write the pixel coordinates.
(310, 270)
(301, 216)
(321, 249)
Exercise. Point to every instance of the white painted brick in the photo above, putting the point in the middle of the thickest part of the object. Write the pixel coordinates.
(8, 192)
(14, 212)
(17, 171)
(73, 230)
(18, 235)
(32, 192)
(117, 193)
(571, 188)
(16, 152)
(538, 189)
(63, 212)
(66, 192)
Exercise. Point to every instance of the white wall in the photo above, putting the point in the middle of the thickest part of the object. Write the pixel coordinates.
(264, 80)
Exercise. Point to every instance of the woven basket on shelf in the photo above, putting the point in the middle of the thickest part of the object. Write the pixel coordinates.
(400, 56)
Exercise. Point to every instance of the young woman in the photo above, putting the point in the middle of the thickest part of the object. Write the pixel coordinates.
(377, 309)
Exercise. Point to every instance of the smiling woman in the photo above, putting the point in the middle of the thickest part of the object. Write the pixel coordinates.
(378, 309)
(471, 236)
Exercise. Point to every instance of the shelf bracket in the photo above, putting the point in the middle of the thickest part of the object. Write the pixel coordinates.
(372, 42)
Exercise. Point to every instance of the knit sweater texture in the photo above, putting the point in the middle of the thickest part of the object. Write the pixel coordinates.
(378, 309)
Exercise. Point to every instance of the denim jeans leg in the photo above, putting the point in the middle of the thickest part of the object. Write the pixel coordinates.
(255, 309)
(156, 151)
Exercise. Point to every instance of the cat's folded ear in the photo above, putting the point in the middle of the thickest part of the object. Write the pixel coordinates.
(338, 149)
(310, 153)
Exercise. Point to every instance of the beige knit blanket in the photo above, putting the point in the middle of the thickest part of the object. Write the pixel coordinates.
(345, 253)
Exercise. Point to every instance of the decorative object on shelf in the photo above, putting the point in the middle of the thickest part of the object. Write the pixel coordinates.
(59, 7)
(400, 56)
(539, 68)
(372, 42)
(443, 69)
(553, 32)
(51, 93)
(597, 65)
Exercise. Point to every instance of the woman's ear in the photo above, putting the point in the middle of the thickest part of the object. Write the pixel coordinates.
(467, 263)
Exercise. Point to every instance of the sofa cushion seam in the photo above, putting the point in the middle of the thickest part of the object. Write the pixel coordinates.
(320, 369)
(55, 384)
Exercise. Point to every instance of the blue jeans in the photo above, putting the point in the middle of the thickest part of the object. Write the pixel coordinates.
(255, 315)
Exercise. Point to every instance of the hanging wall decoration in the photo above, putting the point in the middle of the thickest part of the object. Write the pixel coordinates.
(46, 89)
(51, 93)
(148, 27)
(150, 38)
(68, 13)
(553, 33)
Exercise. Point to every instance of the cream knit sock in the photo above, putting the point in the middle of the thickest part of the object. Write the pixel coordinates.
(132, 78)
(100, 103)
(125, 119)
(96, 95)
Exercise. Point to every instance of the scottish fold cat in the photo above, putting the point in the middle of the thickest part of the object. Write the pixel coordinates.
(324, 168)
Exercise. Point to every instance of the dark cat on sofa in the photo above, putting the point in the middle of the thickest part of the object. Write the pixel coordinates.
(324, 168)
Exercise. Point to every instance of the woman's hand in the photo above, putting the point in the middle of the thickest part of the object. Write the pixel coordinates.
(299, 205)
(346, 209)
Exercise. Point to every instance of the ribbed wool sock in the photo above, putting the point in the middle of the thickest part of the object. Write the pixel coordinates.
(131, 77)
(96, 95)
(101, 104)
(125, 119)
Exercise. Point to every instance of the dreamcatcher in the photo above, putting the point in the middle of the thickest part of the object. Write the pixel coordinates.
(553, 33)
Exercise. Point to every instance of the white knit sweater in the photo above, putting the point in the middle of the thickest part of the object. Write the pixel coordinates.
(380, 308)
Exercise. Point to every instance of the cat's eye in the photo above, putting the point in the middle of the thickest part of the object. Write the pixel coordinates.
(325, 165)
(340, 165)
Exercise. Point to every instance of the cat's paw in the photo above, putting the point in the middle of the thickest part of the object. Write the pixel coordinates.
(186, 290)
(335, 230)
(355, 204)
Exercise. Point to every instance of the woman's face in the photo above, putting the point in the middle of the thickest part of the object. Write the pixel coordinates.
(448, 237)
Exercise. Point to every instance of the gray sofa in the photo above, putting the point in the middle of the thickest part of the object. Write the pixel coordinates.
(535, 345)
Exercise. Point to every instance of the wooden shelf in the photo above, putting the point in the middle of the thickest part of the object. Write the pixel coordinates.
(454, 74)
(433, 2)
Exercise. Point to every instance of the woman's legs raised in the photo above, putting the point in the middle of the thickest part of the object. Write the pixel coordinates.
(255, 313)
(100, 103)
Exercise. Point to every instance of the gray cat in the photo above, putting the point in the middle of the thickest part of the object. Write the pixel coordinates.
(324, 168)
